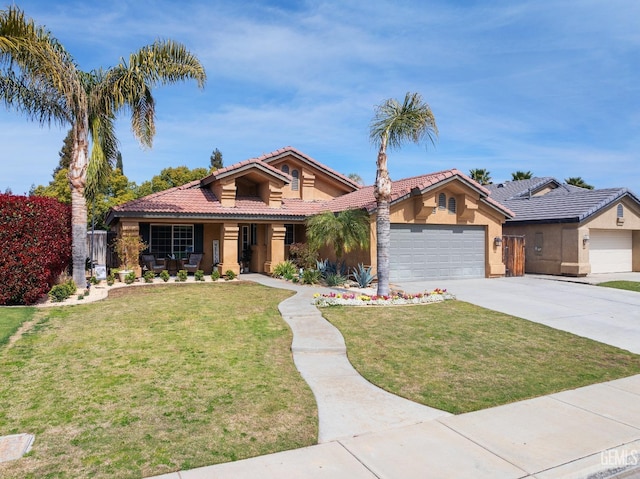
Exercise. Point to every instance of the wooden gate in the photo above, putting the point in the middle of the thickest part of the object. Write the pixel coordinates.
(513, 255)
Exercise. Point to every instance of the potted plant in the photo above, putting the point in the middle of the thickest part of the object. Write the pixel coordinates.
(128, 249)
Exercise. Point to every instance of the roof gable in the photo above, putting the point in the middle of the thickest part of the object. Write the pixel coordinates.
(282, 153)
(245, 167)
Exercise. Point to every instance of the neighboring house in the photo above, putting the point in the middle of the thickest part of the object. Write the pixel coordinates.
(570, 230)
(443, 224)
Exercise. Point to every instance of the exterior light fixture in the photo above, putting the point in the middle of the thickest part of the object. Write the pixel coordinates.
(497, 241)
(585, 240)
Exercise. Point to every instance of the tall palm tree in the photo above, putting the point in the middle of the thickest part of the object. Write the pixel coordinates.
(481, 176)
(578, 181)
(521, 175)
(345, 231)
(393, 124)
(39, 78)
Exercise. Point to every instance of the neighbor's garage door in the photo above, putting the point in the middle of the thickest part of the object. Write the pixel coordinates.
(610, 251)
(436, 252)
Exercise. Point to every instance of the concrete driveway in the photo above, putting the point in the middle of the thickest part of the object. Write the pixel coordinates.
(607, 315)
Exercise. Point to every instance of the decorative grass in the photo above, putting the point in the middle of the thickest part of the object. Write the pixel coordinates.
(459, 357)
(11, 319)
(628, 285)
(153, 380)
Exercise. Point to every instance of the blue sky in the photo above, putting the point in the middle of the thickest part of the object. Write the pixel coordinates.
(551, 86)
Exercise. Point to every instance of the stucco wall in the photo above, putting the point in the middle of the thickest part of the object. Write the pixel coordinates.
(469, 211)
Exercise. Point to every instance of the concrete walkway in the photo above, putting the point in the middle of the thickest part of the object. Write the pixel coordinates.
(366, 433)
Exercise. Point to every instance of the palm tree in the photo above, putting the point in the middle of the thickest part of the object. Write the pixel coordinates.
(39, 78)
(578, 181)
(481, 176)
(393, 124)
(346, 231)
(521, 175)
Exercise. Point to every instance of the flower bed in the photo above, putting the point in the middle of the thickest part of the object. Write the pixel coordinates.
(359, 299)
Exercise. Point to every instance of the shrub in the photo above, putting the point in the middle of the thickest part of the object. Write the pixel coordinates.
(62, 291)
(229, 275)
(93, 280)
(286, 270)
(130, 277)
(311, 276)
(164, 275)
(199, 275)
(35, 246)
(111, 278)
(335, 279)
(302, 255)
(182, 275)
(215, 275)
(149, 276)
(363, 275)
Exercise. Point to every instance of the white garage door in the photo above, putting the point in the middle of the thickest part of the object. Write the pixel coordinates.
(610, 251)
(436, 252)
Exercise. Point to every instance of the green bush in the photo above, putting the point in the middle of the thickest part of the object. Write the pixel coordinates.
(286, 270)
(229, 275)
(311, 276)
(182, 275)
(130, 277)
(149, 276)
(215, 275)
(335, 279)
(62, 291)
(164, 275)
(199, 275)
(111, 279)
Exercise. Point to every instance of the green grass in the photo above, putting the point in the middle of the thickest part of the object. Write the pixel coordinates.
(155, 379)
(11, 319)
(459, 357)
(628, 285)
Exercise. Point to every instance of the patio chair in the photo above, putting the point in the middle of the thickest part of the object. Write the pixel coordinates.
(193, 264)
(152, 264)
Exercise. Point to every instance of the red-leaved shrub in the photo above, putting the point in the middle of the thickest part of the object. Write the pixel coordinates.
(35, 246)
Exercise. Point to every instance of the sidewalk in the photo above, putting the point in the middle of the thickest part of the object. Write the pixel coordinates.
(366, 433)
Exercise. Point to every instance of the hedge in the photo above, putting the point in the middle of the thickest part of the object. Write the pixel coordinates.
(35, 246)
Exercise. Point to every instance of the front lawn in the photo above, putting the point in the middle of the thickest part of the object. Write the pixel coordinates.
(459, 357)
(155, 379)
(628, 285)
(11, 319)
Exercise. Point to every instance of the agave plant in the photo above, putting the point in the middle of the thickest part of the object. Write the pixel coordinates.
(362, 275)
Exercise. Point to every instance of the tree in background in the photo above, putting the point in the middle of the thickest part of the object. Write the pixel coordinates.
(344, 231)
(579, 182)
(39, 78)
(170, 178)
(216, 160)
(356, 178)
(393, 124)
(119, 164)
(521, 175)
(481, 176)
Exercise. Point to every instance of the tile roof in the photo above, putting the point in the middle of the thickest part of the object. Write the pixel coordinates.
(405, 187)
(243, 166)
(197, 199)
(566, 203)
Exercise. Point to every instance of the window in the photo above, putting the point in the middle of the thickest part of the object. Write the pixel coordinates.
(537, 247)
(285, 169)
(289, 237)
(442, 201)
(296, 180)
(254, 234)
(171, 240)
(620, 211)
(452, 205)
